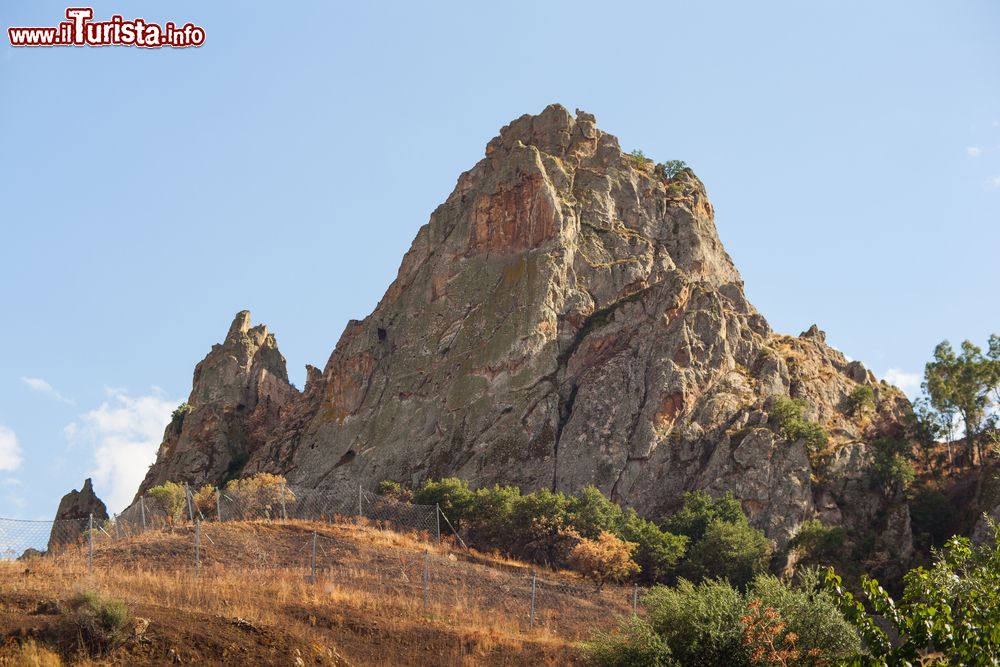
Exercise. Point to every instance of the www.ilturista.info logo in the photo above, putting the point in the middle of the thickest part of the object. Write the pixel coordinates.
(79, 30)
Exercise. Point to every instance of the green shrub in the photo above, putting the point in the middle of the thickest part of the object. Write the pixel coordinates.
(700, 624)
(699, 510)
(491, 518)
(786, 415)
(171, 498)
(639, 158)
(635, 644)
(810, 612)
(891, 468)
(177, 417)
(99, 622)
(734, 551)
(817, 542)
(451, 495)
(861, 400)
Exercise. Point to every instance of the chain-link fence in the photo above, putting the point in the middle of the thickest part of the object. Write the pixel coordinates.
(315, 534)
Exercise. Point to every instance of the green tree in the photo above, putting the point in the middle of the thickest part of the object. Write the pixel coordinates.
(451, 495)
(818, 543)
(699, 510)
(948, 614)
(734, 551)
(965, 383)
(669, 169)
(590, 512)
(658, 551)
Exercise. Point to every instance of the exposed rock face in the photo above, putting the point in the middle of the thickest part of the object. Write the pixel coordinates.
(567, 317)
(76, 506)
(239, 392)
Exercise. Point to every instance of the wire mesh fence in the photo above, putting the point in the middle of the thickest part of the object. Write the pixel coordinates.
(295, 530)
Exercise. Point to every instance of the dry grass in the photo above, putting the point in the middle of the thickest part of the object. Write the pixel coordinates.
(366, 607)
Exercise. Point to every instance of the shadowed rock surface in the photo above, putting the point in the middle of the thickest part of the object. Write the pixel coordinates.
(568, 316)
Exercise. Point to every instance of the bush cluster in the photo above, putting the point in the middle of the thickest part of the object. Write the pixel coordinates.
(861, 400)
(713, 624)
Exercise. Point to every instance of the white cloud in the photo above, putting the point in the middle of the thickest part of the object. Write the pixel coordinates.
(124, 433)
(973, 151)
(994, 182)
(10, 449)
(43, 387)
(908, 382)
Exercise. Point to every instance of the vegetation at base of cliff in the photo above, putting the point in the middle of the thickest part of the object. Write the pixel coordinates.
(705, 538)
(177, 416)
(713, 624)
(259, 494)
(948, 614)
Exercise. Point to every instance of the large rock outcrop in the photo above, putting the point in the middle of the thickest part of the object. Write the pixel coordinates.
(73, 516)
(567, 317)
(239, 392)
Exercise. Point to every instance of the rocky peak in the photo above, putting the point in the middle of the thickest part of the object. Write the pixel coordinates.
(76, 506)
(568, 316)
(238, 393)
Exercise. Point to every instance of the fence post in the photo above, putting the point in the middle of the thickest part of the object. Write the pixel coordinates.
(359, 504)
(197, 548)
(437, 516)
(116, 527)
(142, 511)
(635, 600)
(427, 576)
(531, 619)
(284, 513)
(187, 495)
(90, 544)
(314, 558)
(218, 504)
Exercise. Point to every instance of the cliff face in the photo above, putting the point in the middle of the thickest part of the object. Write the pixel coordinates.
(567, 317)
(75, 510)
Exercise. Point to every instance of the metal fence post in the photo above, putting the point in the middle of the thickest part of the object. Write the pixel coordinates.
(437, 516)
(197, 548)
(635, 600)
(314, 558)
(218, 504)
(359, 504)
(187, 495)
(531, 619)
(284, 513)
(90, 544)
(142, 511)
(427, 575)
(116, 527)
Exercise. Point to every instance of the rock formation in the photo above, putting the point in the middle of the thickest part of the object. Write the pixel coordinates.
(568, 316)
(72, 517)
(237, 398)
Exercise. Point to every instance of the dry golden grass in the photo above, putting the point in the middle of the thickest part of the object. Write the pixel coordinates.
(366, 607)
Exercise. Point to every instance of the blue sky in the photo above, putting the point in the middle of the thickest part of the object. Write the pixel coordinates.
(851, 150)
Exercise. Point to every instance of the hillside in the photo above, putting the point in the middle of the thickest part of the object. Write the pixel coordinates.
(253, 600)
